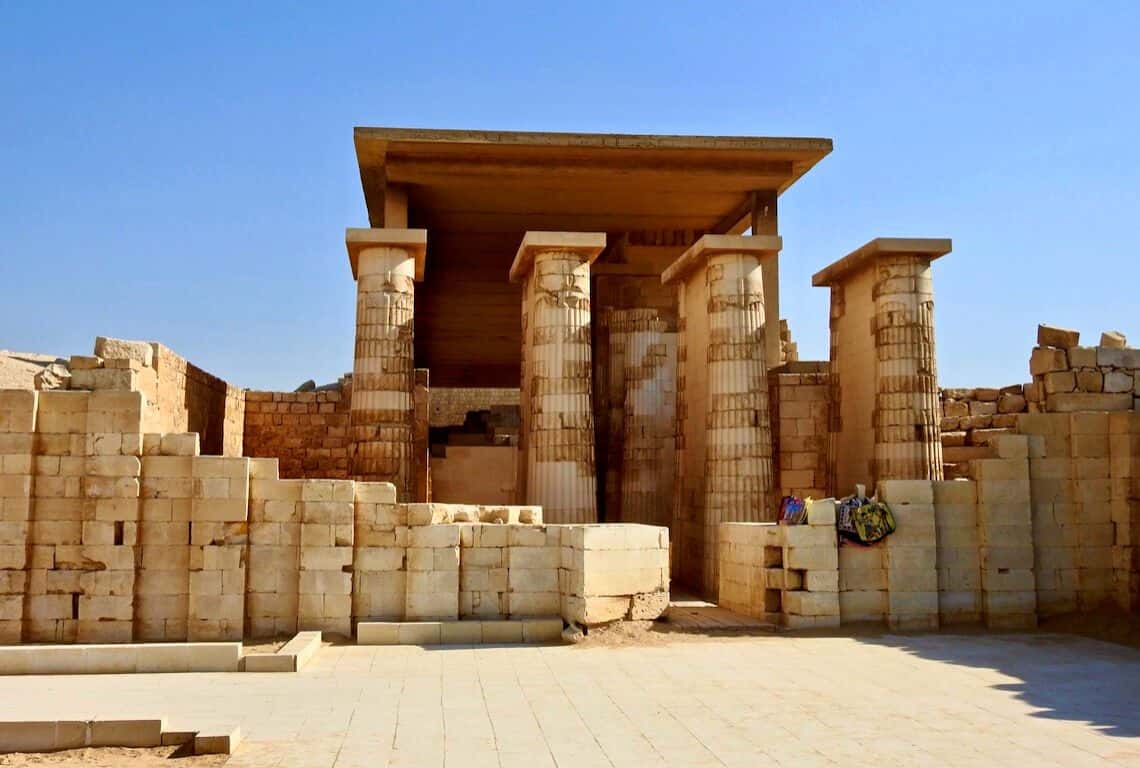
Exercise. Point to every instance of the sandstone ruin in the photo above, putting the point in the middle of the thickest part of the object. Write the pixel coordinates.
(571, 388)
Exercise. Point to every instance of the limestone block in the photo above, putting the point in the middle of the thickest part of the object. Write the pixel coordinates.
(533, 603)
(906, 491)
(1052, 336)
(819, 558)
(446, 535)
(1045, 360)
(592, 611)
(801, 603)
(821, 581)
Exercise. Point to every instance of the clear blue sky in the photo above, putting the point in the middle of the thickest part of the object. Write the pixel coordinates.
(185, 171)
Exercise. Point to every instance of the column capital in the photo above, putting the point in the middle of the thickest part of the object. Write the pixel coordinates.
(414, 241)
(589, 245)
(929, 248)
(711, 245)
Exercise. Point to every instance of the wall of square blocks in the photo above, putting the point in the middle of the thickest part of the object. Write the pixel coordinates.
(787, 574)
(110, 533)
(306, 431)
(1048, 523)
(800, 405)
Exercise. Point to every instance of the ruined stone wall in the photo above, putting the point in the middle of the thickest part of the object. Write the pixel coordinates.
(189, 399)
(1069, 378)
(800, 406)
(308, 432)
(972, 419)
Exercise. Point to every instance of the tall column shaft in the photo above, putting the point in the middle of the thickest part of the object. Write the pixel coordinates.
(382, 409)
(885, 410)
(557, 439)
(907, 410)
(726, 446)
(738, 459)
(650, 376)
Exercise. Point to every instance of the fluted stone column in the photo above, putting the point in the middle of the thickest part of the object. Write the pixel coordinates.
(557, 467)
(887, 414)
(385, 263)
(650, 376)
(726, 387)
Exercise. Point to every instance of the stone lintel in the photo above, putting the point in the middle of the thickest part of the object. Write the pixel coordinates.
(929, 248)
(414, 241)
(589, 244)
(711, 245)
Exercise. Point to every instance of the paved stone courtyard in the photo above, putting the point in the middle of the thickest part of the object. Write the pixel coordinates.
(970, 700)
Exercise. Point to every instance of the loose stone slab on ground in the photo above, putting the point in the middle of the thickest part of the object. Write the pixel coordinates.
(963, 700)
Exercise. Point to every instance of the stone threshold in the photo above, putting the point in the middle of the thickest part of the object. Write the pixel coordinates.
(462, 632)
(291, 657)
(57, 735)
(118, 659)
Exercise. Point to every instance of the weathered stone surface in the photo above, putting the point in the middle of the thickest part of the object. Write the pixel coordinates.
(141, 351)
(1052, 336)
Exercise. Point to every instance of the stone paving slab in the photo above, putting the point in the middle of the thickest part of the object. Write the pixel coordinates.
(970, 700)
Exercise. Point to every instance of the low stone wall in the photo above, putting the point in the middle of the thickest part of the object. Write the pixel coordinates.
(1048, 523)
(112, 534)
(787, 574)
(307, 432)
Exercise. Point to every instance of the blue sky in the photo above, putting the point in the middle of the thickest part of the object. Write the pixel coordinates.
(184, 172)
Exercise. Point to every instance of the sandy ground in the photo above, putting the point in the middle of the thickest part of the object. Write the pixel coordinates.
(17, 369)
(110, 757)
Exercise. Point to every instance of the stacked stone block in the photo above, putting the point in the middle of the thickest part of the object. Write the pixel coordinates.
(325, 573)
(379, 575)
(810, 597)
(306, 431)
(1069, 378)
(958, 554)
(751, 573)
(275, 513)
(787, 574)
(483, 578)
(17, 458)
(613, 572)
(910, 555)
(533, 560)
(219, 536)
(56, 534)
(162, 587)
(800, 411)
(1124, 454)
(1094, 526)
(1005, 532)
(433, 571)
(863, 595)
(972, 419)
